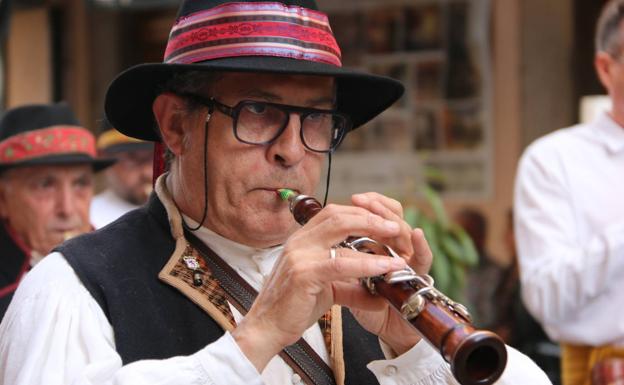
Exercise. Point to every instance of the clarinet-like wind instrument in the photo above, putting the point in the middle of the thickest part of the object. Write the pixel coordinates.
(477, 357)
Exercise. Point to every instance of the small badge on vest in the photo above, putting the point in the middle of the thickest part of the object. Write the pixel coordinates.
(192, 263)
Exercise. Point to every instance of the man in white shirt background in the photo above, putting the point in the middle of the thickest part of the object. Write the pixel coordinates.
(128, 181)
(251, 98)
(570, 222)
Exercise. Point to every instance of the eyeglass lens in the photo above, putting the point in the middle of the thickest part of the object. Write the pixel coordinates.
(261, 123)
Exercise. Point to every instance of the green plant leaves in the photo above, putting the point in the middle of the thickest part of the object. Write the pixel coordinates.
(469, 251)
(436, 204)
(411, 216)
(453, 250)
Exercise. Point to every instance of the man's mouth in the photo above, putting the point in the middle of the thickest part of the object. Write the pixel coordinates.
(275, 190)
(68, 228)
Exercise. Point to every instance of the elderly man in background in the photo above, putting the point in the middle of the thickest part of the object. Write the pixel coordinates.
(570, 223)
(128, 181)
(47, 163)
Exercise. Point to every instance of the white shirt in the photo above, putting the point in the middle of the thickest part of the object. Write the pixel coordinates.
(254, 265)
(569, 221)
(107, 207)
(55, 333)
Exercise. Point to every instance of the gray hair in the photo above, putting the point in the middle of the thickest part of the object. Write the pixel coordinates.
(192, 83)
(189, 83)
(608, 29)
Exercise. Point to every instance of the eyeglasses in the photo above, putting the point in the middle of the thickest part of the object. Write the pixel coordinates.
(262, 123)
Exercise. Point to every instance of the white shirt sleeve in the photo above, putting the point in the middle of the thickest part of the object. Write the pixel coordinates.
(564, 267)
(55, 333)
(422, 365)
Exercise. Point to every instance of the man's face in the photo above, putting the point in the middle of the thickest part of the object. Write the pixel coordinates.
(131, 176)
(242, 178)
(46, 204)
(615, 87)
(610, 68)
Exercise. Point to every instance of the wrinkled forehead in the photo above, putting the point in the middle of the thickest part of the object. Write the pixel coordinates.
(305, 90)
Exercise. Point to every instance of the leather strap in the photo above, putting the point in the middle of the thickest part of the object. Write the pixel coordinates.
(299, 356)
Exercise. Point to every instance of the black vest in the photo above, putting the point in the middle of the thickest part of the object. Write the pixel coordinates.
(12, 260)
(119, 265)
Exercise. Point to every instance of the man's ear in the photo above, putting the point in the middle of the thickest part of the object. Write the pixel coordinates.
(603, 62)
(169, 110)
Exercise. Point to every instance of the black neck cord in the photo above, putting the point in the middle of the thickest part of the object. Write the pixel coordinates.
(329, 156)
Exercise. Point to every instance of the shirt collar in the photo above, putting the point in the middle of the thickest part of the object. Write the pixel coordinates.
(610, 133)
(235, 254)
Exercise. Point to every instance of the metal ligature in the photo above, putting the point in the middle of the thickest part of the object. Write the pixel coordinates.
(476, 357)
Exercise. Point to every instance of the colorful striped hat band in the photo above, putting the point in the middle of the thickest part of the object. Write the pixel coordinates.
(53, 140)
(253, 29)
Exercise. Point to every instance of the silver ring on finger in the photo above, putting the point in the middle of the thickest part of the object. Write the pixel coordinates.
(332, 252)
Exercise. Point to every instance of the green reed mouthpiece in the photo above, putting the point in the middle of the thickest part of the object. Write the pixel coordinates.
(286, 193)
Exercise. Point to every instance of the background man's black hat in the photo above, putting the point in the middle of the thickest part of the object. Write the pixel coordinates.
(288, 37)
(46, 134)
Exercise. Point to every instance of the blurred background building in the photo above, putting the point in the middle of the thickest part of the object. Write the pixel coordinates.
(484, 78)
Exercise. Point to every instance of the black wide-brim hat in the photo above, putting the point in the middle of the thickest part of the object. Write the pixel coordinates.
(112, 142)
(46, 134)
(362, 96)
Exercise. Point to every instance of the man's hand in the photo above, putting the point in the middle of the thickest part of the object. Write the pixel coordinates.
(305, 282)
(384, 321)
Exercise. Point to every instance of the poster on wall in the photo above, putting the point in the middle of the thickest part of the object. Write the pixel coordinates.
(439, 49)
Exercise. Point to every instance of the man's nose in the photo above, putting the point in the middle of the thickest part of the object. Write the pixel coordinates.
(288, 149)
(146, 169)
(65, 201)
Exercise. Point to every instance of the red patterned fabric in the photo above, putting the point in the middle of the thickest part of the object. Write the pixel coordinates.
(253, 29)
(53, 140)
(609, 371)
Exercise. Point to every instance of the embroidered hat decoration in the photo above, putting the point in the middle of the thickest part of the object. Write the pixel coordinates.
(46, 134)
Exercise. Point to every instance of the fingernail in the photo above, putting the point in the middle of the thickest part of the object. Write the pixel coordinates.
(392, 226)
(391, 263)
(398, 263)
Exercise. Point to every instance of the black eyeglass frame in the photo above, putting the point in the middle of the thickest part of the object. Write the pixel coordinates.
(303, 112)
